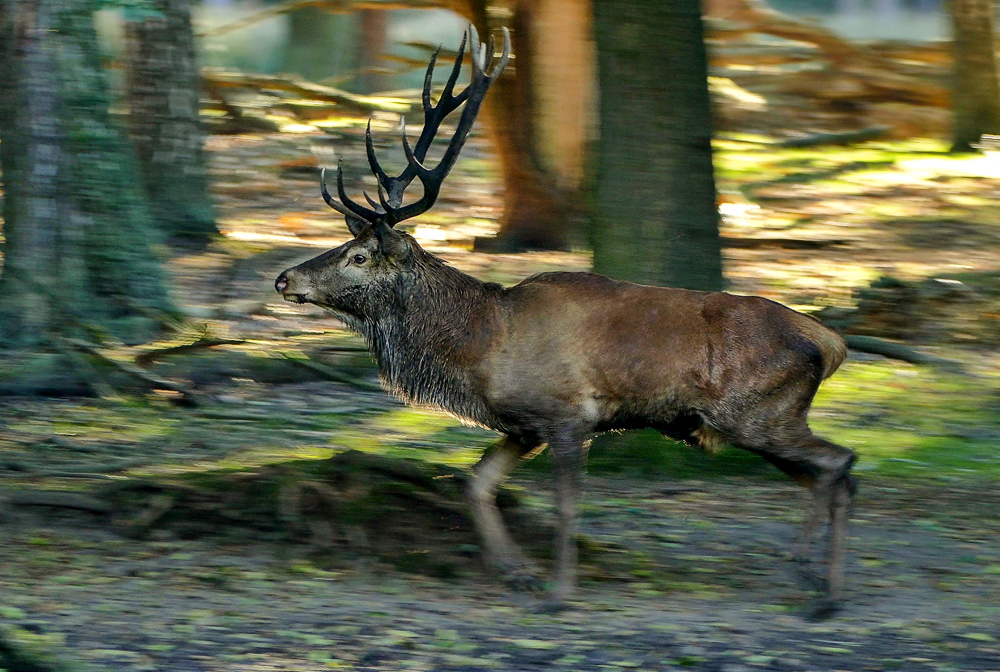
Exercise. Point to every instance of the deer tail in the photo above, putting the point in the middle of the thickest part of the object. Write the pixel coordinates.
(830, 344)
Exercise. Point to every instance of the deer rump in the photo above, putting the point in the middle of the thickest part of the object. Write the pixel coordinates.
(560, 356)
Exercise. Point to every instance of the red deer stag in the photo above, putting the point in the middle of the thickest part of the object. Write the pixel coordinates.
(561, 356)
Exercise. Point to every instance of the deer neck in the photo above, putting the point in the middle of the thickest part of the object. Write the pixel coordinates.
(431, 344)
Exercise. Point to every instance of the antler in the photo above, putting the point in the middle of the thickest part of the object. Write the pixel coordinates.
(390, 209)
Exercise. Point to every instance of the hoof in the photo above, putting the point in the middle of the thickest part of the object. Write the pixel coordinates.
(823, 609)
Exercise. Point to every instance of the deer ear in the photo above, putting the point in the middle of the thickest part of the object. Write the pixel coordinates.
(355, 225)
(391, 242)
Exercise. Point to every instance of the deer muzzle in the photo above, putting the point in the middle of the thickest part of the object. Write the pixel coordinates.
(291, 288)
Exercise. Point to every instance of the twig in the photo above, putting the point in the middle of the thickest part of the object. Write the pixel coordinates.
(147, 358)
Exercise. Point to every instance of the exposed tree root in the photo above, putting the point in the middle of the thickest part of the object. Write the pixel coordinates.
(878, 346)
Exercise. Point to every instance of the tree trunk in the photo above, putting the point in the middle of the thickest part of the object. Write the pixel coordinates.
(536, 211)
(76, 248)
(655, 218)
(163, 92)
(372, 36)
(976, 92)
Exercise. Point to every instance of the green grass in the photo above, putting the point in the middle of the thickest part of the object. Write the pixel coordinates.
(913, 422)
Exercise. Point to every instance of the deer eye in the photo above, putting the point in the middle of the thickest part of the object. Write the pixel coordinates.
(359, 259)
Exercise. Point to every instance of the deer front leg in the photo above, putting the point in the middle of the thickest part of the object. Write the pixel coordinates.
(569, 454)
(499, 549)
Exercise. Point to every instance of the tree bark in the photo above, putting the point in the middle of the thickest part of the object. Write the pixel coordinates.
(537, 211)
(163, 91)
(76, 251)
(655, 218)
(976, 92)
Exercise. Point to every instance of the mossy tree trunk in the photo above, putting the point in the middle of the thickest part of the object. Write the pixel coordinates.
(77, 248)
(163, 98)
(976, 90)
(655, 219)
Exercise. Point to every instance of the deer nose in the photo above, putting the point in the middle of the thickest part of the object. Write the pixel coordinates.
(281, 284)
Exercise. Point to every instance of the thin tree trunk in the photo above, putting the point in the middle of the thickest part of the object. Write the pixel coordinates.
(976, 93)
(655, 217)
(163, 92)
(373, 27)
(76, 251)
(536, 211)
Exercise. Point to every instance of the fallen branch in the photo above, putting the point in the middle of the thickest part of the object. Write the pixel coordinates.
(839, 138)
(878, 346)
(217, 79)
(330, 373)
(147, 358)
(57, 499)
(131, 369)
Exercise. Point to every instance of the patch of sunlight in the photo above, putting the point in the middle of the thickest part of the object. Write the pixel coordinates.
(895, 209)
(338, 122)
(297, 128)
(738, 214)
(412, 432)
(429, 233)
(956, 166)
(256, 237)
(967, 200)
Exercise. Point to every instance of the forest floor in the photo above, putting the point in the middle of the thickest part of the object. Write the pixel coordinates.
(250, 533)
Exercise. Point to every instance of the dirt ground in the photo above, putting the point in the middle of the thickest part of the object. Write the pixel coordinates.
(691, 575)
(688, 574)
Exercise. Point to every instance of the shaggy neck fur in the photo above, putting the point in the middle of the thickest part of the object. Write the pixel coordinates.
(430, 334)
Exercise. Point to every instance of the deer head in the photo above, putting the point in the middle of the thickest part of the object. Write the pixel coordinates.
(352, 278)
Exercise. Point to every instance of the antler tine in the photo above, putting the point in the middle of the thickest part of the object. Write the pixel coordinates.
(372, 161)
(375, 204)
(428, 78)
(449, 86)
(356, 209)
(354, 223)
(504, 57)
(389, 210)
(474, 94)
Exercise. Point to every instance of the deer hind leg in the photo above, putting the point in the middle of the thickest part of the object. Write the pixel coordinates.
(499, 549)
(824, 468)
